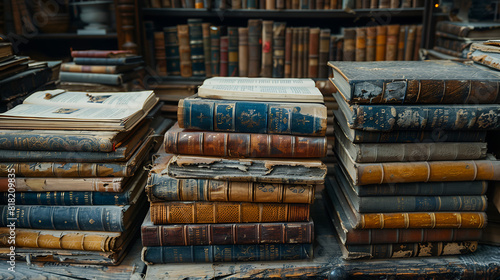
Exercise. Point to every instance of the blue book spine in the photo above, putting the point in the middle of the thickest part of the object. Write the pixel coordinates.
(196, 44)
(386, 204)
(33, 141)
(68, 198)
(106, 79)
(255, 117)
(166, 188)
(97, 218)
(226, 253)
(16, 155)
(172, 51)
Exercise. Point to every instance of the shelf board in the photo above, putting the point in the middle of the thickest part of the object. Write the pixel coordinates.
(282, 14)
(73, 36)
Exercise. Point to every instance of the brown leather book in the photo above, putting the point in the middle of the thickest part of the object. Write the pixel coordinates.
(371, 34)
(278, 50)
(193, 212)
(224, 56)
(184, 50)
(232, 52)
(360, 44)
(324, 52)
(254, 47)
(381, 42)
(280, 4)
(410, 42)
(266, 69)
(408, 4)
(358, 4)
(270, 4)
(313, 53)
(103, 184)
(295, 51)
(384, 4)
(319, 4)
(205, 26)
(401, 41)
(305, 63)
(295, 4)
(418, 42)
(243, 51)
(391, 50)
(160, 55)
(340, 49)
(334, 4)
(349, 44)
(395, 4)
(373, 4)
(288, 52)
(225, 234)
(300, 52)
(235, 4)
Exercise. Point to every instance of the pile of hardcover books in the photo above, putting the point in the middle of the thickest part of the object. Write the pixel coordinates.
(20, 76)
(238, 180)
(413, 162)
(101, 70)
(72, 186)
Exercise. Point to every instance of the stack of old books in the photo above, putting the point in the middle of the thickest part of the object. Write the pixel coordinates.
(424, 197)
(242, 176)
(72, 175)
(104, 70)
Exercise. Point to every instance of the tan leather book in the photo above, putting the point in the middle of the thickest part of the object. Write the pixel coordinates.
(102, 184)
(395, 4)
(391, 50)
(313, 52)
(305, 63)
(373, 4)
(418, 42)
(381, 42)
(235, 4)
(410, 42)
(207, 48)
(295, 51)
(300, 52)
(243, 51)
(349, 44)
(371, 34)
(360, 44)
(401, 42)
(270, 4)
(160, 55)
(266, 69)
(184, 50)
(384, 4)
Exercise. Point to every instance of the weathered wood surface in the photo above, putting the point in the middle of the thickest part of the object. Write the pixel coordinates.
(131, 268)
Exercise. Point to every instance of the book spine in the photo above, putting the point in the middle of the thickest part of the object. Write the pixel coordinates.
(314, 53)
(81, 143)
(381, 42)
(371, 35)
(253, 117)
(165, 188)
(26, 83)
(84, 241)
(215, 50)
(295, 51)
(395, 4)
(235, 4)
(384, 4)
(93, 218)
(418, 42)
(172, 51)
(244, 145)
(408, 4)
(449, 27)
(401, 42)
(280, 4)
(447, 51)
(288, 53)
(349, 44)
(428, 171)
(227, 234)
(66, 169)
(60, 184)
(251, 4)
(360, 53)
(270, 5)
(160, 58)
(243, 51)
(100, 61)
(374, 4)
(267, 49)
(391, 47)
(108, 79)
(103, 69)
(207, 48)
(232, 52)
(389, 204)
(254, 47)
(278, 52)
(324, 49)
(305, 50)
(196, 47)
(384, 236)
(226, 253)
(67, 198)
(319, 4)
(340, 49)
(96, 53)
(300, 52)
(423, 220)
(430, 188)
(184, 50)
(427, 249)
(408, 136)
(224, 56)
(193, 212)
(410, 43)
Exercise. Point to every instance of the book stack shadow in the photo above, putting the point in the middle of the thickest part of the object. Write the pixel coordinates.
(231, 186)
(72, 188)
(102, 70)
(413, 167)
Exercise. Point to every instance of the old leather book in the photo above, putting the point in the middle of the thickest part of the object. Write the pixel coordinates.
(254, 47)
(278, 49)
(418, 42)
(471, 30)
(288, 52)
(184, 50)
(226, 144)
(172, 51)
(301, 32)
(101, 53)
(295, 51)
(313, 53)
(41, 184)
(299, 171)
(197, 212)
(381, 42)
(215, 50)
(391, 50)
(338, 208)
(407, 220)
(196, 46)
(410, 42)
(371, 35)
(205, 27)
(243, 51)
(224, 56)
(232, 52)
(160, 54)
(398, 82)
(401, 42)
(324, 49)
(349, 44)
(225, 234)
(360, 44)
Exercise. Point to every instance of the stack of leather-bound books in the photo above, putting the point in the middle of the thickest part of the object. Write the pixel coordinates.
(238, 174)
(413, 167)
(72, 177)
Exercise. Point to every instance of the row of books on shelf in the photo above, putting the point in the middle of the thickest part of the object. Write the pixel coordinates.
(269, 48)
(286, 4)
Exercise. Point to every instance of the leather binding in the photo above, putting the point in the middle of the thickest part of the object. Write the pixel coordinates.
(215, 50)
(232, 52)
(267, 49)
(349, 44)
(313, 52)
(371, 34)
(278, 49)
(381, 42)
(184, 50)
(224, 56)
(205, 26)
(254, 47)
(324, 49)
(288, 52)
(391, 50)
(160, 55)
(243, 51)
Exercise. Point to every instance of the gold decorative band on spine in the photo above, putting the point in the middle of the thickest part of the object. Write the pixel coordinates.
(428, 171)
(459, 220)
(383, 173)
(432, 216)
(406, 218)
(381, 217)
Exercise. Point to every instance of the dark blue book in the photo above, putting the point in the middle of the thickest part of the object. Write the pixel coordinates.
(172, 51)
(196, 45)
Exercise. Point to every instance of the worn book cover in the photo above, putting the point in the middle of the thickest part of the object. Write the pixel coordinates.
(470, 30)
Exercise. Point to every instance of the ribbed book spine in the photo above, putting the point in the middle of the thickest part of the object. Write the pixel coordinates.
(172, 51)
(196, 46)
(215, 50)
(279, 49)
(232, 52)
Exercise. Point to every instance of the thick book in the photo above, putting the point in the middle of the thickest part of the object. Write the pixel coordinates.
(407, 220)
(252, 117)
(424, 117)
(410, 42)
(400, 82)
(393, 152)
(186, 65)
(471, 30)
(215, 50)
(242, 145)
(98, 78)
(401, 42)
(254, 47)
(407, 136)
(101, 53)
(224, 55)
(418, 171)
(172, 51)
(360, 45)
(391, 45)
(77, 169)
(294, 56)
(298, 171)
(199, 212)
(243, 55)
(108, 61)
(21, 84)
(349, 44)
(279, 30)
(261, 89)
(338, 209)
(102, 69)
(207, 48)
(60, 109)
(232, 52)
(159, 53)
(313, 54)
(196, 46)
(489, 59)
(371, 36)
(41, 184)
(324, 55)
(267, 49)
(381, 42)
(225, 234)
(226, 253)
